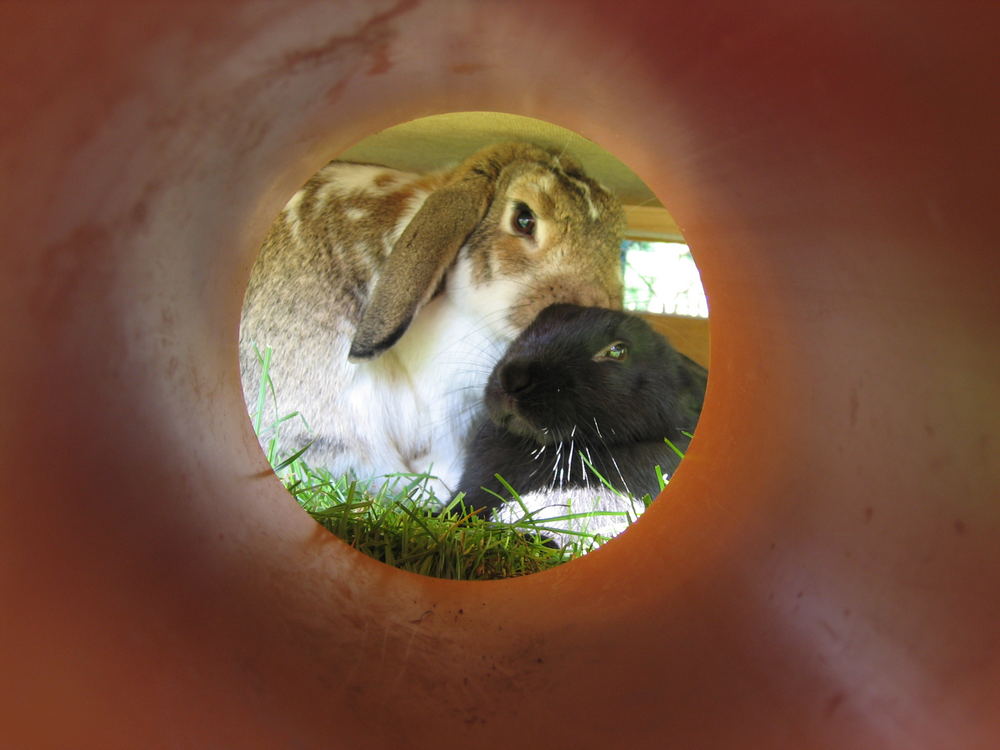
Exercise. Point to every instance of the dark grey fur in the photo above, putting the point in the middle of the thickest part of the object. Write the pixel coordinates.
(549, 399)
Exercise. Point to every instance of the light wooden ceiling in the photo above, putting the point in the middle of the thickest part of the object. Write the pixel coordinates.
(433, 142)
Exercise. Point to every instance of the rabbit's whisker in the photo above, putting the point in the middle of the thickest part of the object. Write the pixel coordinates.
(598, 428)
(620, 475)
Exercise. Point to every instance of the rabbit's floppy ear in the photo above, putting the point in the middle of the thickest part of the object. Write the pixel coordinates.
(424, 251)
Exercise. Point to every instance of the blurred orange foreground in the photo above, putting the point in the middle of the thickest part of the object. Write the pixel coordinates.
(824, 572)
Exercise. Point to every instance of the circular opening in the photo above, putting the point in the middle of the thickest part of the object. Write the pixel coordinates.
(435, 356)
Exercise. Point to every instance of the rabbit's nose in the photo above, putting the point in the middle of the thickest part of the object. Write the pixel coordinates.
(515, 377)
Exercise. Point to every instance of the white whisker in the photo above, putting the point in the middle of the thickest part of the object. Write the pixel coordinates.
(620, 475)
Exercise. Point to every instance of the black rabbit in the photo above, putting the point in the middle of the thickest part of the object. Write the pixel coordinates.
(590, 381)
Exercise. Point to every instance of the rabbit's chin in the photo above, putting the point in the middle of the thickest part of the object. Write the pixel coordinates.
(517, 425)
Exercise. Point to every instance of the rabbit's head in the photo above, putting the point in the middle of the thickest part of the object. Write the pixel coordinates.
(509, 231)
(593, 375)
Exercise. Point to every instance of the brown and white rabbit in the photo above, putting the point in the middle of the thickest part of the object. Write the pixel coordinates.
(387, 297)
(582, 382)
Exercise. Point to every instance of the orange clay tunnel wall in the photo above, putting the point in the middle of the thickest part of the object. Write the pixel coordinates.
(824, 571)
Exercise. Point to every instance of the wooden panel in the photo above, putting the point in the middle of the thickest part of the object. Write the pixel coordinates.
(688, 335)
(651, 223)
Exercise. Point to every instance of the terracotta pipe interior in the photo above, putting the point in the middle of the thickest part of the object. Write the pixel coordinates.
(823, 571)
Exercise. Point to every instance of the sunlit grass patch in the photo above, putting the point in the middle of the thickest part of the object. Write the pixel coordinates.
(397, 520)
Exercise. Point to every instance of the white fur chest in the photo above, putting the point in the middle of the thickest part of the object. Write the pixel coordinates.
(419, 400)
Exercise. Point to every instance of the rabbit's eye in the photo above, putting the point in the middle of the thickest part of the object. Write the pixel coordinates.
(616, 352)
(523, 221)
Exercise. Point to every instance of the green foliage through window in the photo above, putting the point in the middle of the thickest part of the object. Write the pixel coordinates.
(661, 277)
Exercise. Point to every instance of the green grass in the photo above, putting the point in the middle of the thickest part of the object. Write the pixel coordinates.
(398, 521)
(401, 524)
